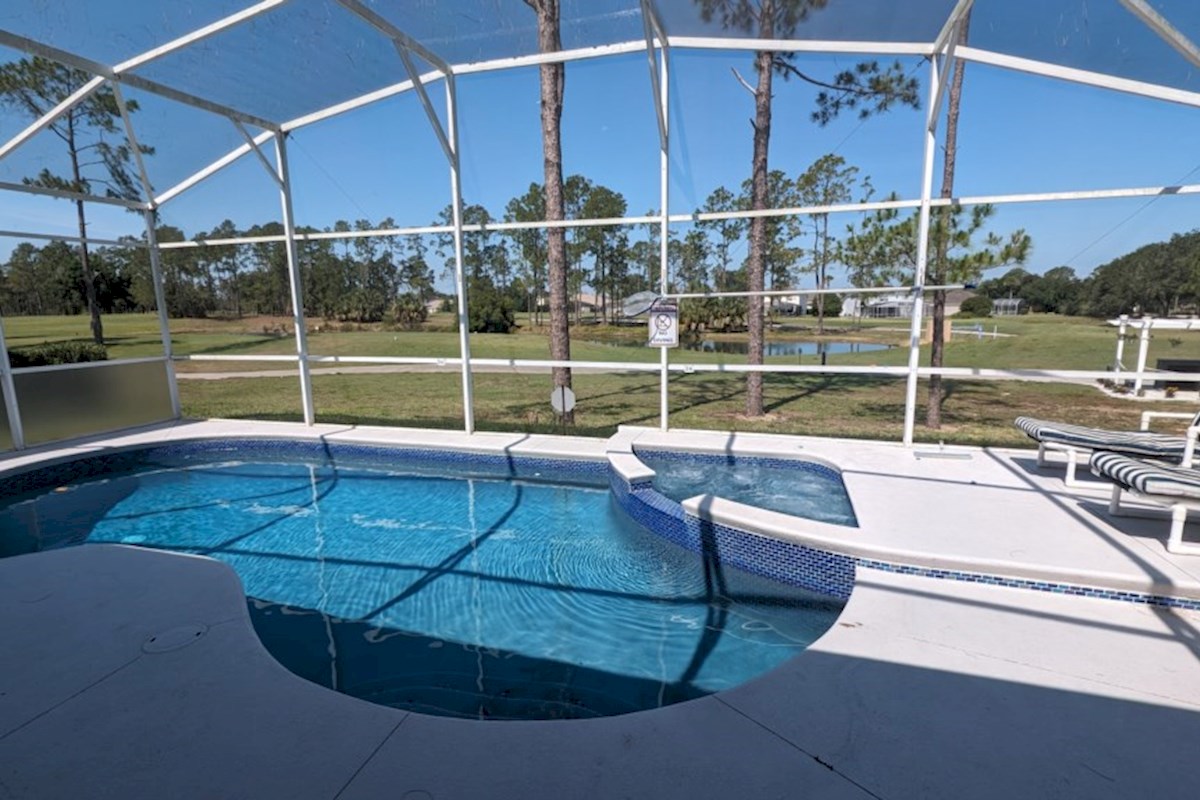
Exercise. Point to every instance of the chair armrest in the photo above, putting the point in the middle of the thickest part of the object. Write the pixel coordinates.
(1149, 415)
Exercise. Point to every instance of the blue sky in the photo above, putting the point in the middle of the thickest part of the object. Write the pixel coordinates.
(1018, 133)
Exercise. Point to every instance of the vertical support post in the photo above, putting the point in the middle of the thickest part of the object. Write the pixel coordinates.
(1121, 329)
(664, 229)
(918, 288)
(16, 430)
(460, 280)
(289, 232)
(160, 303)
(1143, 351)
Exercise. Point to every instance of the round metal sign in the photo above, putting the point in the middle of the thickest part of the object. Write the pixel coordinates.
(562, 399)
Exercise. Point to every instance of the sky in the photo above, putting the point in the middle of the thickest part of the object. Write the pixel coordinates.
(1017, 133)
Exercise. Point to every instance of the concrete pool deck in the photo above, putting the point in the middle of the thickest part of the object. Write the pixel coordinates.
(133, 673)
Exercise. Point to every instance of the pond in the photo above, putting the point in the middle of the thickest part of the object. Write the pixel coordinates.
(772, 348)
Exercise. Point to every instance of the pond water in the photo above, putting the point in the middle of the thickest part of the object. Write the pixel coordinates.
(773, 348)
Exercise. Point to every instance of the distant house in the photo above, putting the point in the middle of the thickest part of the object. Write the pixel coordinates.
(899, 305)
(795, 305)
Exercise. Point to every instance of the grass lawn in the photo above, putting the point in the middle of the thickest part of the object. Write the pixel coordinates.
(976, 412)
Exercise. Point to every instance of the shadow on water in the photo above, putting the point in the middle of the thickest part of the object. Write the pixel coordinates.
(454, 559)
(416, 672)
(717, 595)
(65, 516)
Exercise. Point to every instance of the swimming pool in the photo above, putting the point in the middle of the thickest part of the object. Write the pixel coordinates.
(790, 486)
(471, 586)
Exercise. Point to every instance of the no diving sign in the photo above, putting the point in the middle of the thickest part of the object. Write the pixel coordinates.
(664, 325)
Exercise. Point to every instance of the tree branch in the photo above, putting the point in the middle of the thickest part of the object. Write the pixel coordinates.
(782, 64)
(745, 84)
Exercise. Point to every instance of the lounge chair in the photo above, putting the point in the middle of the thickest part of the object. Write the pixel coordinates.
(1176, 487)
(1075, 440)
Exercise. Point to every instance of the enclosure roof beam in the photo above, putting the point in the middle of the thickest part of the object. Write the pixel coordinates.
(406, 45)
(211, 169)
(55, 237)
(650, 11)
(492, 65)
(91, 198)
(385, 27)
(261, 157)
(147, 189)
(649, 25)
(803, 46)
(935, 106)
(199, 35)
(435, 122)
(36, 48)
(960, 10)
(47, 119)
(356, 102)
(1168, 32)
(1098, 79)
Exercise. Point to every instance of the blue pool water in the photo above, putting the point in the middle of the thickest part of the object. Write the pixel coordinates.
(800, 488)
(444, 591)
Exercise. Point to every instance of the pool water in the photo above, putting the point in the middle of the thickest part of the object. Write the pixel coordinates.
(461, 595)
(801, 488)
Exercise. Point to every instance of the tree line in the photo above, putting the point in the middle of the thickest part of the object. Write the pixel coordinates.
(368, 279)
(1159, 279)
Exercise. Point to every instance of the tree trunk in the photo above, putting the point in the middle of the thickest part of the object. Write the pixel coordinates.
(937, 393)
(552, 80)
(758, 225)
(89, 279)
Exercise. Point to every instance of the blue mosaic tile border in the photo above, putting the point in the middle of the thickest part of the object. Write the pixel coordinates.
(830, 574)
(1142, 598)
(462, 463)
(818, 570)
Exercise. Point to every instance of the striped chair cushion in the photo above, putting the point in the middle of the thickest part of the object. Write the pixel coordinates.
(1149, 478)
(1137, 443)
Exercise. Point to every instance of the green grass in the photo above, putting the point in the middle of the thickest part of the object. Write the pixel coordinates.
(976, 412)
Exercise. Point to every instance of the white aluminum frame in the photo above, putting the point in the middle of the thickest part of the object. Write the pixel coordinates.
(656, 41)
(160, 306)
(289, 228)
(15, 429)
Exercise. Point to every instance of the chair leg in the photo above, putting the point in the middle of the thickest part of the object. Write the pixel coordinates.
(1069, 481)
(1041, 458)
(1114, 503)
(1175, 543)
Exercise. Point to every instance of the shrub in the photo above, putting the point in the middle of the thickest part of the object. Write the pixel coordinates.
(833, 305)
(409, 312)
(977, 306)
(489, 311)
(51, 353)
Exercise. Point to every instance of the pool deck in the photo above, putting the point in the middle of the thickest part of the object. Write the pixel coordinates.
(134, 673)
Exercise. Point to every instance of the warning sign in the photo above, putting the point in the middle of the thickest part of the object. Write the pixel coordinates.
(664, 325)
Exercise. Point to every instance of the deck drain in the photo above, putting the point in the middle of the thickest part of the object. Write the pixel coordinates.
(174, 638)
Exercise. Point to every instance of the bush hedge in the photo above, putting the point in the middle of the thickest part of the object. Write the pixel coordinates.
(51, 353)
(977, 306)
